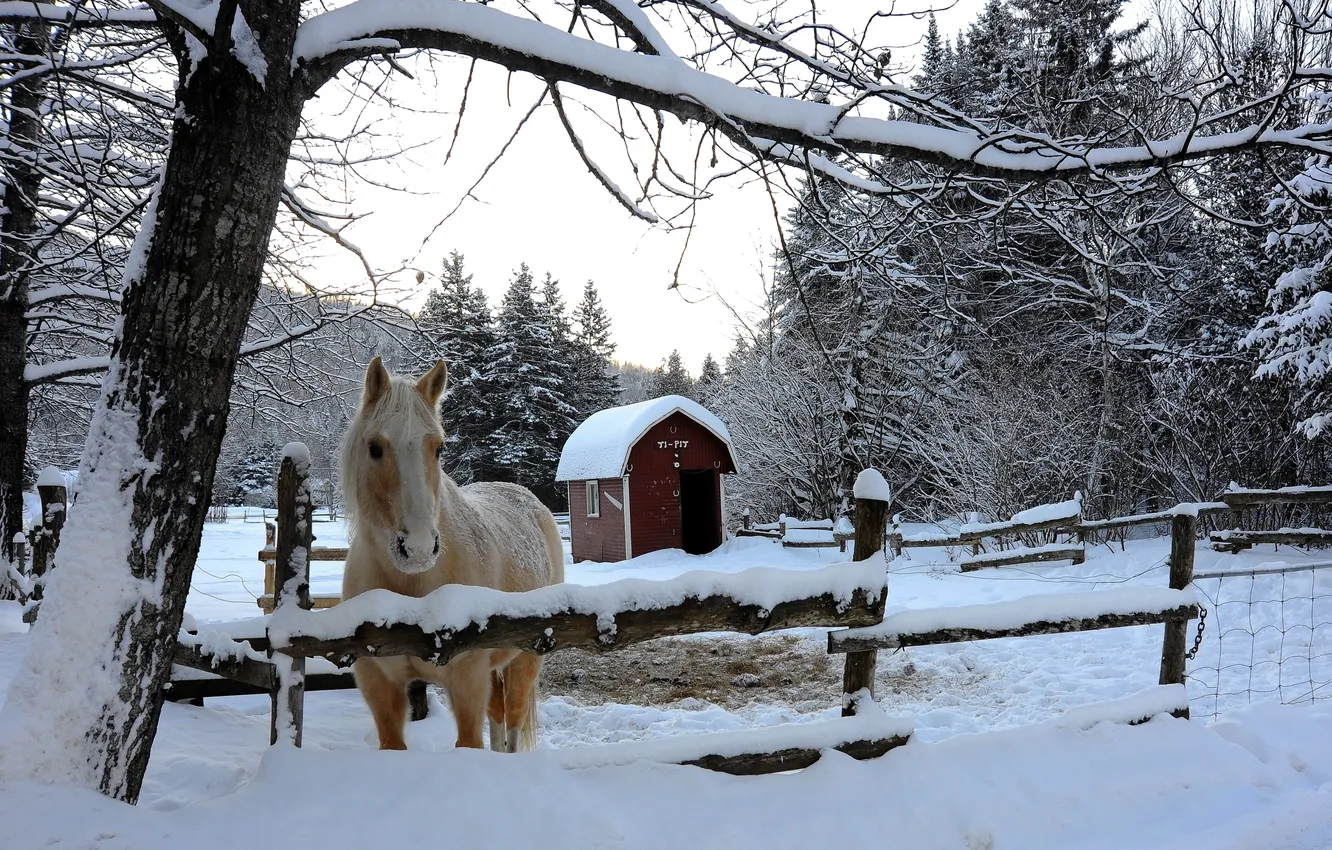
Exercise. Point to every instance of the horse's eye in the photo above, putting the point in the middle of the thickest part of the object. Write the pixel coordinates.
(439, 452)
(376, 451)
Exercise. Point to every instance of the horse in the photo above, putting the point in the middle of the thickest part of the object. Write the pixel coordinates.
(413, 530)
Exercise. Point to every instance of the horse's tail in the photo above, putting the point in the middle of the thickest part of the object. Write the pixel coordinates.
(527, 732)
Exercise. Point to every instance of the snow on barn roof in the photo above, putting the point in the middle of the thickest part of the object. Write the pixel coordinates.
(599, 448)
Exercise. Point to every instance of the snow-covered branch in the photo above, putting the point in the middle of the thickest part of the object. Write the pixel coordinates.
(754, 118)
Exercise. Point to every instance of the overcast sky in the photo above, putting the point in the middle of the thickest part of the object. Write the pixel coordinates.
(539, 205)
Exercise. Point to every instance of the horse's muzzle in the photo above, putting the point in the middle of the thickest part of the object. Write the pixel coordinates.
(411, 559)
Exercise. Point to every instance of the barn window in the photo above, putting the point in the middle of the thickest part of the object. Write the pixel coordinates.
(593, 499)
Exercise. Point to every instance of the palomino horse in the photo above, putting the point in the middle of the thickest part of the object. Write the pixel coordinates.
(414, 530)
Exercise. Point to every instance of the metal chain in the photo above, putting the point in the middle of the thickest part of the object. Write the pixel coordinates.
(1197, 638)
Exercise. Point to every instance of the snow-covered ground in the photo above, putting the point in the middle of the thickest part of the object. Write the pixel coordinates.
(989, 765)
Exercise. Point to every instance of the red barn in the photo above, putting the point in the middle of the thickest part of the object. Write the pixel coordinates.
(644, 477)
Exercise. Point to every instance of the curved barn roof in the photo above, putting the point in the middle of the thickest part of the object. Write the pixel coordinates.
(599, 448)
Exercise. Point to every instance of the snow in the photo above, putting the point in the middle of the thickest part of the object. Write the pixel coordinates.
(1017, 742)
(870, 484)
(808, 535)
(641, 22)
(600, 446)
(245, 47)
(869, 724)
(50, 477)
(455, 607)
(1262, 778)
(1296, 490)
(298, 452)
(1048, 607)
(1162, 699)
(52, 13)
(35, 373)
(1234, 533)
(824, 524)
(1070, 510)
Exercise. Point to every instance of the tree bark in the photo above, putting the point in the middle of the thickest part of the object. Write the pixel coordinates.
(17, 230)
(116, 600)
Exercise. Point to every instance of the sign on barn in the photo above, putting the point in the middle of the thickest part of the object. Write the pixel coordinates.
(644, 477)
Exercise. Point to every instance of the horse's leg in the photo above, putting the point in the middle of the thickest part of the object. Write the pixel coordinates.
(520, 711)
(468, 681)
(387, 700)
(496, 712)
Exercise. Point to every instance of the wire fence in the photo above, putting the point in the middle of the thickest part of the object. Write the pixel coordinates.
(1268, 637)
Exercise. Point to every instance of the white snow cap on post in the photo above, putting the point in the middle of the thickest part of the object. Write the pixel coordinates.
(298, 452)
(50, 477)
(870, 484)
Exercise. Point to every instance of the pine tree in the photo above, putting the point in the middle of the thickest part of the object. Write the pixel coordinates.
(598, 385)
(255, 476)
(529, 392)
(709, 381)
(671, 378)
(457, 323)
(933, 58)
(565, 364)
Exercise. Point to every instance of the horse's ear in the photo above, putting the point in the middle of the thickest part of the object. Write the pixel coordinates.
(432, 383)
(376, 382)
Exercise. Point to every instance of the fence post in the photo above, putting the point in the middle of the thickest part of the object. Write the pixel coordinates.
(291, 579)
(1183, 543)
(53, 497)
(872, 498)
(745, 519)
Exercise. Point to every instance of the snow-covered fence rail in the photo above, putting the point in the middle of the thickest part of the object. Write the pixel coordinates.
(605, 617)
(1024, 555)
(1048, 614)
(1276, 509)
(1057, 519)
(1237, 498)
(1237, 540)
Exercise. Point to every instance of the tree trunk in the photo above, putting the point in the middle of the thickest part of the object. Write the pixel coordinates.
(17, 233)
(84, 707)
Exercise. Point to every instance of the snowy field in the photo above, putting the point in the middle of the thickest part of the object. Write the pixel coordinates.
(991, 765)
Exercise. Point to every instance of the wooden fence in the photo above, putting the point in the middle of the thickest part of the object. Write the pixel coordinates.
(568, 616)
(28, 580)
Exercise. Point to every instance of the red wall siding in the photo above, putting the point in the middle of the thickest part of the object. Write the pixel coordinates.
(654, 480)
(703, 452)
(655, 505)
(596, 538)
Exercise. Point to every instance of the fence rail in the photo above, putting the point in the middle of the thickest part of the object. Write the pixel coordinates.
(1056, 613)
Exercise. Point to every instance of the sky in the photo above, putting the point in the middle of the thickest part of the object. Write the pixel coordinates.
(540, 205)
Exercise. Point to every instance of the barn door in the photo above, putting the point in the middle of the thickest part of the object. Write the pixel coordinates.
(700, 523)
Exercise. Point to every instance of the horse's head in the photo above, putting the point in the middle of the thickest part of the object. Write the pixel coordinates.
(390, 465)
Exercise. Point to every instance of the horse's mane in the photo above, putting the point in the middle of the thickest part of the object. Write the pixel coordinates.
(399, 414)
